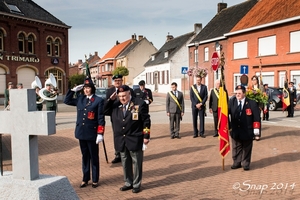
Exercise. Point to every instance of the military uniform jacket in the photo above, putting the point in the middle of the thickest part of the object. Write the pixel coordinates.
(89, 115)
(49, 103)
(203, 95)
(171, 105)
(128, 132)
(146, 95)
(242, 125)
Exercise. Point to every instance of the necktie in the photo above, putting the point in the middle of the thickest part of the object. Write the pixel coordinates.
(87, 101)
(124, 110)
(240, 107)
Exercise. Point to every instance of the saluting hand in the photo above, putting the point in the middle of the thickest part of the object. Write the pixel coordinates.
(113, 96)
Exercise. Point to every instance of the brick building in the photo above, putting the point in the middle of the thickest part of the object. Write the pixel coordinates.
(32, 43)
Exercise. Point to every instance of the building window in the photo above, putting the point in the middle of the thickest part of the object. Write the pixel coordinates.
(1, 41)
(56, 47)
(295, 41)
(49, 47)
(152, 57)
(166, 54)
(206, 54)
(237, 80)
(196, 55)
(30, 44)
(267, 78)
(14, 9)
(21, 38)
(240, 50)
(267, 46)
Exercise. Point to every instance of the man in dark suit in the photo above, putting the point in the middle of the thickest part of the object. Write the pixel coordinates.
(175, 110)
(89, 129)
(131, 125)
(266, 113)
(213, 105)
(293, 99)
(144, 93)
(198, 97)
(244, 115)
(110, 94)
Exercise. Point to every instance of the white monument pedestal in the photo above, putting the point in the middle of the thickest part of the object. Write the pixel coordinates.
(45, 187)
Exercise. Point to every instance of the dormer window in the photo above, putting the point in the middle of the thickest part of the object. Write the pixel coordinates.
(152, 57)
(166, 54)
(14, 9)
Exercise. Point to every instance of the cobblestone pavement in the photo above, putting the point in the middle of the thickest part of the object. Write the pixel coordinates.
(187, 168)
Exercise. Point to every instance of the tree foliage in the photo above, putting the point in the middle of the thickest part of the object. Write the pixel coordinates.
(121, 71)
(76, 79)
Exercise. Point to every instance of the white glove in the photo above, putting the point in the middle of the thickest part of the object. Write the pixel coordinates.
(256, 131)
(77, 88)
(99, 138)
(144, 147)
(147, 101)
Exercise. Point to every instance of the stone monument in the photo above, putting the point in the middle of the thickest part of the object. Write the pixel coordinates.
(24, 124)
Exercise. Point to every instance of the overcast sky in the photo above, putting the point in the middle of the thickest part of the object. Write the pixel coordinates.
(97, 24)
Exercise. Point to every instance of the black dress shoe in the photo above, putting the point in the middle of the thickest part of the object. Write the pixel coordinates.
(94, 185)
(195, 136)
(236, 166)
(203, 136)
(172, 137)
(216, 135)
(116, 160)
(136, 190)
(125, 188)
(83, 184)
(246, 168)
(178, 137)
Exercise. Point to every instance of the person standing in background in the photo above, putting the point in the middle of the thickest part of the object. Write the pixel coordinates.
(175, 110)
(20, 86)
(267, 111)
(6, 94)
(144, 94)
(293, 99)
(213, 105)
(198, 97)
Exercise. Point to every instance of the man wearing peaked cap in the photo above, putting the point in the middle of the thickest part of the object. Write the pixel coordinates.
(117, 76)
(89, 130)
(144, 93)
(293, 99)
(131, 127)
(244, 124)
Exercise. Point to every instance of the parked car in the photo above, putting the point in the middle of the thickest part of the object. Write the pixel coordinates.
(101, 92)
(135, 87)
(275, 100)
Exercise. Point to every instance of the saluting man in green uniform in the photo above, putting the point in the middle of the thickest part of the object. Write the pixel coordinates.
(50, 104)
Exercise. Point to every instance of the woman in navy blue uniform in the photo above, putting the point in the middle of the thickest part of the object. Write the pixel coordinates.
(89, 129)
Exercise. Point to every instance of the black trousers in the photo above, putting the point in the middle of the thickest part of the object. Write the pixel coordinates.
(90, 155)
(215, 115)
(241, 152)
(196, 112)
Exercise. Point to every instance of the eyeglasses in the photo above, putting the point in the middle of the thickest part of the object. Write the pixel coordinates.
(116, 80)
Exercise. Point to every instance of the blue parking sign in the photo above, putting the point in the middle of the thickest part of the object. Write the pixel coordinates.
(244, 69)
(184, 70)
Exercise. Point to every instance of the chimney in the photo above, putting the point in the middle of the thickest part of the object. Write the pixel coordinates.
(117, 42)
(141, 37)
(133, 39)
(221, 6)
(96, 53)
(169, 37)
(197, 28)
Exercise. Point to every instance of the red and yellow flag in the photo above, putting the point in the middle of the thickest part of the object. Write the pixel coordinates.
(223, 122)
(285, 99)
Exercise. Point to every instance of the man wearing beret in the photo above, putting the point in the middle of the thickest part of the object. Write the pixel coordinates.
(131, 125)
(144, 93)
(90, 125)
(111, 93)
(245, 123)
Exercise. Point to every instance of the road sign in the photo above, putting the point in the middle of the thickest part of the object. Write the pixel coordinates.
(215, 61)
(184, 70)
(244, 69)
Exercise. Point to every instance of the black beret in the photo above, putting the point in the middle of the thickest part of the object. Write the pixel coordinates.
(142, 82)
(117, 76)
(88, 83)
(240, 87)
(291, 83)
(266, 84)
(123, 88)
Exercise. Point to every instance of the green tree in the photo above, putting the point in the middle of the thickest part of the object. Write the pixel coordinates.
(121, 71)
(76, 79)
